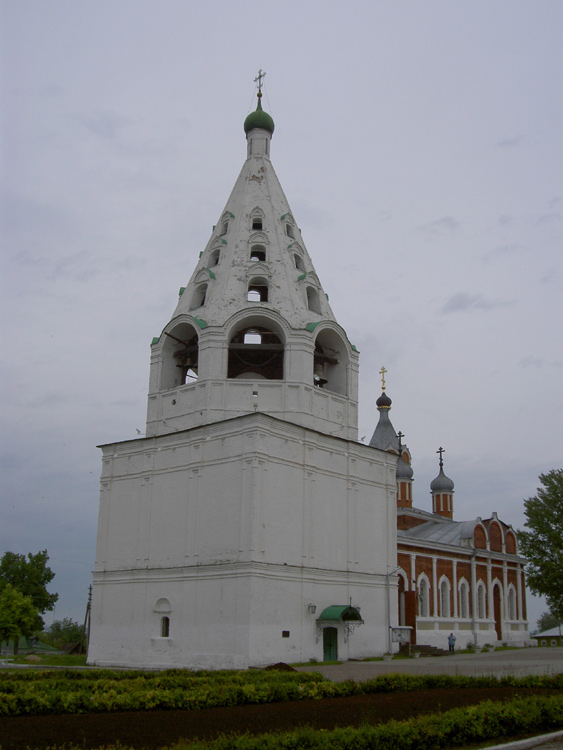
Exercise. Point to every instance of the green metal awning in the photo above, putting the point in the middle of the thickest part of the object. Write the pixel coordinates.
(341, 613)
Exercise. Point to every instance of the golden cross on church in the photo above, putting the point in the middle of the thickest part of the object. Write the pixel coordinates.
(258, 80)
(382, 373)
(441, 451)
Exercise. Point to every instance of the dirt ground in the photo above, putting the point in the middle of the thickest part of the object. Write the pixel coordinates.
(153, 729)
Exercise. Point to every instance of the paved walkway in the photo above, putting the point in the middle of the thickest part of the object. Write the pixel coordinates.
(517, 662)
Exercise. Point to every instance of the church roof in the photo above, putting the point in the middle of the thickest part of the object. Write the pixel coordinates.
(256, 245)
(555, 632)
(441, 531)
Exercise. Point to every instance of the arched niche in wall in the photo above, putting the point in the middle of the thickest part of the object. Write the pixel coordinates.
(480, 537)
(180, 353)
(298, 260)
(258, 243)
(330, 362)
(257, 219)
(495, 537)
(313, 300)
(289, 225)
(510, 543)
(256, 349)
(214, 257)
(199, 295)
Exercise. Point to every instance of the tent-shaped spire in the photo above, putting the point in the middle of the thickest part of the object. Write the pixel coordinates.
(253, 311)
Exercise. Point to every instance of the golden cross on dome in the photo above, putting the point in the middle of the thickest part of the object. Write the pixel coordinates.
(258, 80)
(441, 451)
(382, 373)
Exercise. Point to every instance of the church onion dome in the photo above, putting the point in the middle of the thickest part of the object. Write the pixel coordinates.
(383, 402)
(384, 437)
(442, 483)
(404, 470)
(259, 119)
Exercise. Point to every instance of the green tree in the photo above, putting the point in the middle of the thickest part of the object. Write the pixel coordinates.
(18, 616)
(547, 621)
(30, 576)
(542, 544)
(63, 631)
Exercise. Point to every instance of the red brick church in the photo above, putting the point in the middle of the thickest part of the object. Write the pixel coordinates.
(460, 577)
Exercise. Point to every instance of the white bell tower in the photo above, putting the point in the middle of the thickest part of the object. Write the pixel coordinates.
(249, 526)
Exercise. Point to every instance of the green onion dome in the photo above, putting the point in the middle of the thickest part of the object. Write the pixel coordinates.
(259, 119)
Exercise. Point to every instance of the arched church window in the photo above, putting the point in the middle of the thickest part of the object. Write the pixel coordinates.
(164, 626)
(257, 290)
(256, 222)
(444, 598)
(298, 262)
(423, 597)
(180, 354)
(330, 362)
(224, 228)
(464, 600)
(289, 230)
(256, 352)
(313, 301)
(198, 299)
(258, 253)
(214, 258)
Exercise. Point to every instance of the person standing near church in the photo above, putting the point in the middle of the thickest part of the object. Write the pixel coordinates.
(451, 642)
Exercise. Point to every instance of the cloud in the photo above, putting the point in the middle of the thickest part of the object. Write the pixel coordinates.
(548, 218)
(511, 248)
(539, 363)
(440, 227)
(551, 276)
(516, 140)
(505, 220)
(462, 301)
(105, 124)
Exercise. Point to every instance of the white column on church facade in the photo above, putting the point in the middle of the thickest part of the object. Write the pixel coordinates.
(455, 592)
(519, 589)
(434, 586)
(490, 613)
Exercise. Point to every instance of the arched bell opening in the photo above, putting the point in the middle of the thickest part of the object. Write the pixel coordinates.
(256, 351)
(257, 290)
(330, 363)
(180, 354)
(258, 253)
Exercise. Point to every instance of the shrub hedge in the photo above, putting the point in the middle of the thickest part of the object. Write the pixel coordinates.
(69, 691)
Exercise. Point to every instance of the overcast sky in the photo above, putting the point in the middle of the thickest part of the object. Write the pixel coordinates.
(419, 145)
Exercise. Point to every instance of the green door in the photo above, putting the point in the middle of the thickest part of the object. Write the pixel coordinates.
(330, 644)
